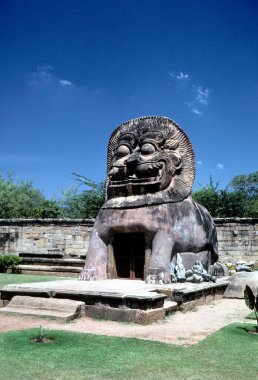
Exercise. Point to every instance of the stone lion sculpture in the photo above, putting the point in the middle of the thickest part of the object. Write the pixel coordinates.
(151, 170)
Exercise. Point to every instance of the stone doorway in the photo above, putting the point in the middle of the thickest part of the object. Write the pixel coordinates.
(129, 255)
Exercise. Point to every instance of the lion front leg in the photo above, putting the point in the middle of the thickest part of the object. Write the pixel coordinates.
(159, 267)
(96, 260)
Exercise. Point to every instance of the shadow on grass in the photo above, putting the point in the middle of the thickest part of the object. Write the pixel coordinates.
(252, 330)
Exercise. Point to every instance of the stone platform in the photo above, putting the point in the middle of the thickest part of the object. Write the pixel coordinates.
(61, 310)
(126, 300)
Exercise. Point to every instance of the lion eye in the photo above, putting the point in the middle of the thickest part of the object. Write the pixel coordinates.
(122, 151)
(148, 149)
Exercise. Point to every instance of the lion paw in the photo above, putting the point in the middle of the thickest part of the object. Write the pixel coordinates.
(87, 275)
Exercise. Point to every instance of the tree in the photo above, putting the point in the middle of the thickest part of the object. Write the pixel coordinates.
(208, 196)
(238, 199)
(48, 209)
(246, 186)
(86, 204)
(246, 183)
(21, 200)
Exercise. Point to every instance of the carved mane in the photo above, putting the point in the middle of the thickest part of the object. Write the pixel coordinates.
(181, 183)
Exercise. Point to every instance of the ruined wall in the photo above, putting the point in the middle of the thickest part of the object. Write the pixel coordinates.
(238, 237)
(67, 237)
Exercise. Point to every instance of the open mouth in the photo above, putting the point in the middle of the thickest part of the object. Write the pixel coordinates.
(145, 172)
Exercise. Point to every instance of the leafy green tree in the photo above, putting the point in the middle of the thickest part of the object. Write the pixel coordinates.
(238, 199)
(47, 209)
(208, 196)
(246, 186)
(85, 204)
(21, 200)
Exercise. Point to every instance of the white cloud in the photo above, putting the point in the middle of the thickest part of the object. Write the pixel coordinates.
(199, 162)
(202, 95)
(199, 99)
(65, 83)
(199, 95)
(196, 111)
(179, 76)
(193, 108)
(220, 166)
(182, 76)
(43, 76)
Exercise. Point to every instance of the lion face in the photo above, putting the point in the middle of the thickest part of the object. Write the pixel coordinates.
(150, 161)
(143, 163)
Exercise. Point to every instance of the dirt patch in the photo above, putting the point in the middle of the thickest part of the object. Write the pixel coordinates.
(41, 340)
(179, 328)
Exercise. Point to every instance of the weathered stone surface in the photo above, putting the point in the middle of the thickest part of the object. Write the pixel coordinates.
(61, 309)
(45, 235)
(238, 283)
(143, 317)
(122, 300)
(151, 170)
(149, 155)
(189, 258)
(237, 238)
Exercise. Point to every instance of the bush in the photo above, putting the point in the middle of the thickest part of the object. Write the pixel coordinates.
(18, 199)
(8, 262)
(251, 301)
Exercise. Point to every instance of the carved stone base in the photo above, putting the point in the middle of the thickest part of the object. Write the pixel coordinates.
(88, 274)
(218, 269)
(157, 276)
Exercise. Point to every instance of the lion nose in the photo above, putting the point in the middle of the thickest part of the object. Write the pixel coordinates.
(132, 161)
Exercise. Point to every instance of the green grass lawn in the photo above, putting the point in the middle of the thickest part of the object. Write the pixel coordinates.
(6, 278)
(230, 353)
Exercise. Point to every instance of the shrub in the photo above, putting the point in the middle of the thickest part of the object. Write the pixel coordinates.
(8, 261)
(252, 302)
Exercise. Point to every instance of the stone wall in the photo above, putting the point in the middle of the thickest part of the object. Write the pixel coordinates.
(238, 238)
(67, 237)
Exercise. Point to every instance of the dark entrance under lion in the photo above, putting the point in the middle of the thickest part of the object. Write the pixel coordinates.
(129, 255)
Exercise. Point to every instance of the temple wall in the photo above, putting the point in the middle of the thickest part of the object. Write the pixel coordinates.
(64, 236)
(238, 237)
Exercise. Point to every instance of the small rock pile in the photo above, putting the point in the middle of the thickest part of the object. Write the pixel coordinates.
(241, 266)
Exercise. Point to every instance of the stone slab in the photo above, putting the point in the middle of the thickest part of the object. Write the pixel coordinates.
(117, 287)
(238, 283)
(117, 293)
(143, 317)
(46, 273)
(50, 268)
(60, 309)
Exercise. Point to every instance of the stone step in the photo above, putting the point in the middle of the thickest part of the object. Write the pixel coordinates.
(46, 255)
(55, 262)
(49, 268)
(140, 316)
(47, 273)
(61, 309)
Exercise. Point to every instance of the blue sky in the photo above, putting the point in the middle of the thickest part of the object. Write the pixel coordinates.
(71, 71)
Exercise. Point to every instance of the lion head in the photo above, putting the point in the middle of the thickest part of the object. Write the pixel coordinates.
(150, 161)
